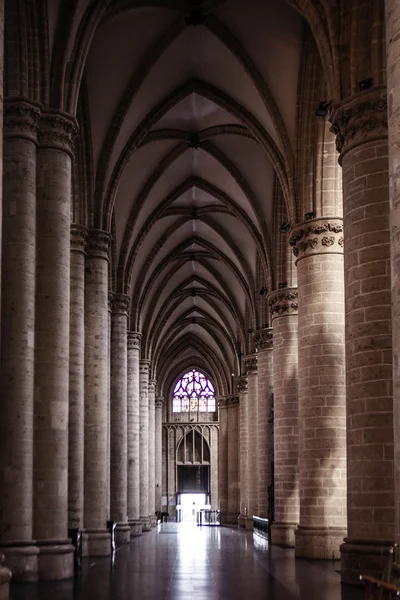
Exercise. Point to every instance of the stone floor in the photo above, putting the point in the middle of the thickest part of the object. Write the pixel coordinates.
(182, 562)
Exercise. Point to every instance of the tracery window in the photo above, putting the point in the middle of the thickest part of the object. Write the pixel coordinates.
(193, 393)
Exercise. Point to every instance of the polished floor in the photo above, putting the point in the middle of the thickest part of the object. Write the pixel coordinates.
(185, 562)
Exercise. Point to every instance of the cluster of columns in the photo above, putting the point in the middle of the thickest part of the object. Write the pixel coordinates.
(80, 433)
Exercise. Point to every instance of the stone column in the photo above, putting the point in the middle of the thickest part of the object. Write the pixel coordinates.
(76, 419)
(152, 451)
(393, 79)
(250, 366)
(144, 368)
(223, 458)
(360, 124)
(233, 459)
(118, 417)
(158, 452)
(96, 539)
(18, 335)
(318, 246)
(263, 343)
(242, 389)
(108, 466)
(133, 434)
(283, 306)
(50, 473)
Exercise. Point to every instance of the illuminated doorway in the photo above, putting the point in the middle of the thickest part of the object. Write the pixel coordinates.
(190, 504)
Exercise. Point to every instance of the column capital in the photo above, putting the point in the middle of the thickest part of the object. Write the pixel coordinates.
(134, 340)
(159, 402)
(360, 119)
(144, 366)
(21, 119)
(78, 238)
(58, 130)
(263, 339)
(120, 304)
(317, 236)
(228, 401)
(152, 386)
(250, 364)
(283, 302)
(98, 244)
(242, 384)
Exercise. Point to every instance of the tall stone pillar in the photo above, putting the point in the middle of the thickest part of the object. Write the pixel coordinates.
(242, 389)
(18, 336)
(263, 343)
(158, 453)
(152, 450)
(76, 421)
(133, 434)
(144, 368)
(393, 82)
(250, 366)
(283, 307)
(96, 539)
(50, 473)
(360, 125)
(223, 458)
(233, 459)
(118, 417)
(318, 246)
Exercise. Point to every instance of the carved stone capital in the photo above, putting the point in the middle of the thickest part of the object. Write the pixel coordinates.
(159, 402)
(120, 304)
(134, 340)
(360, 119)
(242, 385)
(21, 119)
(152, 386)
(78, 238)
(144, 366)
(110, 301)
(250, 364)
(317, 236)
(263, 339)
(58, 130)
(98, 244)
(283, 302)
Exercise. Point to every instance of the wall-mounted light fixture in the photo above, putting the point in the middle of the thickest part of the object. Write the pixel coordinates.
(322, 109)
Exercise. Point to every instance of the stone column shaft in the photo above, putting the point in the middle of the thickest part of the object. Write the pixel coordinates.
(119, 412)
(242, 389)
(263, 342)
(18, 336)
(133, 434)
(152, 451)
(318, 245)
(223, 459)
(360, 124)
(393, 83)
(144, 369)
(252, 436)
(76, 422)
(96, 539)
(56, 135)
(283, 306)
(158, 453)
(233, 459)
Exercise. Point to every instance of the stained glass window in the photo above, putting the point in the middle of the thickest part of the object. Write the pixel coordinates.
(192, 393)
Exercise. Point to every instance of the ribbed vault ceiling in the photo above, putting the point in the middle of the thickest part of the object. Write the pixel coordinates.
(190, 109)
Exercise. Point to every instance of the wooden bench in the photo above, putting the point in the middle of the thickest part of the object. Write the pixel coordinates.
(379, 590)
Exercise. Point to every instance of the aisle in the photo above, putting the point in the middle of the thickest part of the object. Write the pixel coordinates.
(185, 562)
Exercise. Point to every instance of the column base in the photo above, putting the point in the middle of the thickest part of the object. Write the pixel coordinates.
(146, 525)
(22, 559)
(55, 560)
(232, 519)
(319, 542)
(283, 534)
(363, 557)
(136, 527)
(249, 523)
(96, 542)
(5, 578)
(122, 534)
(241, 521)
(153, 521)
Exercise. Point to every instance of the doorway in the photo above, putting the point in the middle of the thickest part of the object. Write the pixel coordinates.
(190, 504)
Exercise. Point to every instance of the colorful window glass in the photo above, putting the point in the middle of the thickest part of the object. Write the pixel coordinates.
(193, 393)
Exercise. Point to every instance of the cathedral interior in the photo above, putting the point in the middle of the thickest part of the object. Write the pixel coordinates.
(200, 293)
